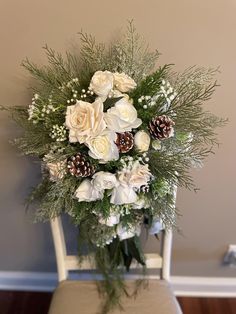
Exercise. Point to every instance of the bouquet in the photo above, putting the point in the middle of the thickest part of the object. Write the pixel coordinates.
(114, 139)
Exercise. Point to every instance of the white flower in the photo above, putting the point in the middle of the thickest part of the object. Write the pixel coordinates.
(104, 180)
(140, 175)
(102, 83)
(156, 227)
(57, 170)
(112, 220)
(123, 194)
(140, 203)
(85, 120)
(115, 93)
(86, 192)
(129, 180)
(142, 141)
(128, 232)
(123, 82)
(135, 177)
(122, 117)
(103, 147)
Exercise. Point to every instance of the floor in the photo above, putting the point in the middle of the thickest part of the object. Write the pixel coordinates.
(16, 302)
(38, 303)
(208, 305)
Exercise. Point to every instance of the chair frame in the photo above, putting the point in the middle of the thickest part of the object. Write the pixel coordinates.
(66, 263)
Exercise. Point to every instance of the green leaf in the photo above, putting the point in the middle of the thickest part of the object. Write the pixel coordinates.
(131, 249)
(110, 102)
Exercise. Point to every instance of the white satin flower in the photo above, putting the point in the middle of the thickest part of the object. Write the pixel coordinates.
(140, 175)
(123, 194)
(86, 192)
(103, 147)
(122, 117)
(85, 120)
(104, 180)
(102, 83)
(123, 82)
(128, 232)
(112, 220)
(140, 203)
(135, 177)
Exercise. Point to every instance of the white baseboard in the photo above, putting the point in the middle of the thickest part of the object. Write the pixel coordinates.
(182, 286)
(27, 281)
(204, 286)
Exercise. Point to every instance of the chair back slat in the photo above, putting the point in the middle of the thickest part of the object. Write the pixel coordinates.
(153, 261)
(66, 263)
(166, 254)
(167, 246)
(60, 247)
(72, 263)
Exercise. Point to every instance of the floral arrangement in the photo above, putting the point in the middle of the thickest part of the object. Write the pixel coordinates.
(114, 140)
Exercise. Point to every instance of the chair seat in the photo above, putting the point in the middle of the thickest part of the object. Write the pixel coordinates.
(81, 297)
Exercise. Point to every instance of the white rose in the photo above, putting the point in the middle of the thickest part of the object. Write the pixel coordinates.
(140, 175)
(122, 117)
(135, 177)
(102, 83)
(112, 220)
(123, 82)
(103, 147)
(123, 194)
(124, 176)
(86, 192)
(57, 170)
(142, 141)
(85, 120)
(126, 233)
(104, 180)
(115, 94)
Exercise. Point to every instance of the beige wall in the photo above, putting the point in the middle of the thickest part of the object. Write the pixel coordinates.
(187, 32)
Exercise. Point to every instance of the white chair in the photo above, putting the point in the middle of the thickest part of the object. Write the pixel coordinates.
(81, 297)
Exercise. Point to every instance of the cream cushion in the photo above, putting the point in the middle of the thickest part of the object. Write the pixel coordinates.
(81, 297)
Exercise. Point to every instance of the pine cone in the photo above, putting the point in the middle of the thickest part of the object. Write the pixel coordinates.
(124, 141)
(161, 127)
(78, 166)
